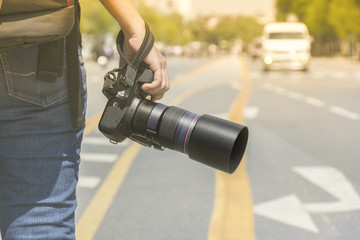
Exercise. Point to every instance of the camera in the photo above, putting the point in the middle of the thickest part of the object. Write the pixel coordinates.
(212, 141)
(215, 142)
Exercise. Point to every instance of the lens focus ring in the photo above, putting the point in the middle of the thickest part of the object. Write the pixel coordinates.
(184, 130)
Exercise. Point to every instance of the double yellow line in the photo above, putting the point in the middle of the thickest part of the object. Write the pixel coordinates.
(232, 216)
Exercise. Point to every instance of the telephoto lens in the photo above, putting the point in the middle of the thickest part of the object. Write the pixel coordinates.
(212, 141)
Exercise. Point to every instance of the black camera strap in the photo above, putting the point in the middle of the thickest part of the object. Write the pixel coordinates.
(132, 67)
(143, 51)
(125, 77)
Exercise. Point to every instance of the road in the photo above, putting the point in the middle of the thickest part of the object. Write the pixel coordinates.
(299, 179)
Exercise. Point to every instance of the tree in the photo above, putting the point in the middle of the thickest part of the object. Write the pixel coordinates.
(171, 28)
(283, 7)
(95, 19)
(286, 7)
(344, 16)
(232, 28)
(316, 19)
(301, 7)
(167, 28)
(327, 20)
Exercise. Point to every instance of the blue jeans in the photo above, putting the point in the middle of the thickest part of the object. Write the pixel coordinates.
(39, 151)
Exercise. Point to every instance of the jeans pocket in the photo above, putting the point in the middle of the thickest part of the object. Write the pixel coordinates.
(20, 68)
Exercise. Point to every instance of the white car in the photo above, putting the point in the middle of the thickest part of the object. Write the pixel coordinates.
(286, 46)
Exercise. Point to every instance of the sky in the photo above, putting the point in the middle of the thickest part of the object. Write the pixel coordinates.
(246, 7)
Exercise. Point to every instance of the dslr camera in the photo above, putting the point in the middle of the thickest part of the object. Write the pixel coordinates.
(212, 141)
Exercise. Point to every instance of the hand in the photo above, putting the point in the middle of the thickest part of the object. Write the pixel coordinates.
(156, 63)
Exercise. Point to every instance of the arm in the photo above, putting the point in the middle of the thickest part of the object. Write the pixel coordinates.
(133, 26)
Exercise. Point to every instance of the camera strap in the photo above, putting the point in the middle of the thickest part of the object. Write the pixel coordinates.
(125, 77)
(133, 66)
(143, 51)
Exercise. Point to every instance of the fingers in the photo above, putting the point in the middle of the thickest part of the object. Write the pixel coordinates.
(156, 62)
(161, 83)
(158, 87)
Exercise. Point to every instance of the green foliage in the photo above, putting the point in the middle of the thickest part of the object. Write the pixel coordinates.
(95, 19)
(300, 7)
(197, 28)
(167, 28)
(284, 7)
(327, 20)
(317, 21)
(171, 28)
(344, 16)
(324, 17)
(232, 28)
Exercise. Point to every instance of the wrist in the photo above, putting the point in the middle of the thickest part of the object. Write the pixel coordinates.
(135, 30)
(134, 35)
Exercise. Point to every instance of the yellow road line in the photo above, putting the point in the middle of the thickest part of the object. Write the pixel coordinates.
(99, 205)
(92, 123)
(94, 214)
(232, 217)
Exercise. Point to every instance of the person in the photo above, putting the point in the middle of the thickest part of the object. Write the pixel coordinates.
(39, 147)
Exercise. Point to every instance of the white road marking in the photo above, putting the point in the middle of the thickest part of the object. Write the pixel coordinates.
(103, 141)
(295, 95)
(88, 182)
(251, 112)
(344, 113)
(280, 90)
(314, 102)
(357, 75)
(96, 140)
(287, 210)
(291, 211)
(335, 183)
(268, 86)
(317, 74)
(312, 74)
(221, 115)
(311, 101)
(99, 157)
(339, 75)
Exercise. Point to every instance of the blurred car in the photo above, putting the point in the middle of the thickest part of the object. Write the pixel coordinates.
(286, 46)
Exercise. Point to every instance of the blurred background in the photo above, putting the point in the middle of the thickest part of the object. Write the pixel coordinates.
(300, 176)
(199, 27)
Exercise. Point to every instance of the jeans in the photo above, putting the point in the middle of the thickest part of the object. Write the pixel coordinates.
(39, 150)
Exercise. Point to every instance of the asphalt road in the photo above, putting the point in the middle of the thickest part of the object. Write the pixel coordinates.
(302, 166)
(304, 152)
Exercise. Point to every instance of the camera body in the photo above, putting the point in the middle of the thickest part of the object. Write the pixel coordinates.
(124, 99)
